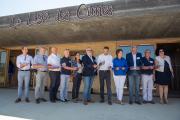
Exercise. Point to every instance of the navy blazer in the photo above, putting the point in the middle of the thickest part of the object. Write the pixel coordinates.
(88, 69)
(130, 62)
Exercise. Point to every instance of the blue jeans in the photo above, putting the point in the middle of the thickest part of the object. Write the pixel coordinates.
(134, 79)
(23, 76)
(64, 87)
(88, 81)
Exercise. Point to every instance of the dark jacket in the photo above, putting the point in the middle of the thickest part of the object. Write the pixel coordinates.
(146, 62)
(130, 62)
(88, 69)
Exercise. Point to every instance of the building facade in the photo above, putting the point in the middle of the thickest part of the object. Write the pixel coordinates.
(117, 24)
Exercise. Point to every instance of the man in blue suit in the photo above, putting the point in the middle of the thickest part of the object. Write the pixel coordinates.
(89, 69)
(134, 74)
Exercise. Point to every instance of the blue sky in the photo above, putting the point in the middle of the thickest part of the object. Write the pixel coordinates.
(10, 7)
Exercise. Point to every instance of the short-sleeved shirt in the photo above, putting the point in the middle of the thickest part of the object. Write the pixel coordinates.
(66, 62)
(146, 62)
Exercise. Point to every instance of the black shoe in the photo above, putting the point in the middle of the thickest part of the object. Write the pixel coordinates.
(66, 100)
(62, 100)
(152, 102)
(85, 102)
(101, 101)
(138, 102)
(144, 101)
(74, 100)
(52, 101)
(27, 100)
(17, 100)
(109, 103)
(37, 101)
(130, 102)
(57, 99)
(43, 100)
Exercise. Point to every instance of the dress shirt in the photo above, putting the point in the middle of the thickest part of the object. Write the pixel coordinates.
(24, 59)
(41, 60)
(54, 60)
(105, 60)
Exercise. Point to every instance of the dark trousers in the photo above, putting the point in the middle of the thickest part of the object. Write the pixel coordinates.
(105, 76)
(76, 85)
(55, 82)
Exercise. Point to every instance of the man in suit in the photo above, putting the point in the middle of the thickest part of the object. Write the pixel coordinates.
(134, 74)
(90, 66)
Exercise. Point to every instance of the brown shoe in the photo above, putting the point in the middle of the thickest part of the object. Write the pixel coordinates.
(91, 101)
(85, 103)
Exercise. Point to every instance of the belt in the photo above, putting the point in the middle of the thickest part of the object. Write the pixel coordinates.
(54, 71)
(134, 68)
(25, 70)
(104, 70)
(42, 71)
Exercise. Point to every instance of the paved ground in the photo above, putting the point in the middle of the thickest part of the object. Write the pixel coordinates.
(77, 111)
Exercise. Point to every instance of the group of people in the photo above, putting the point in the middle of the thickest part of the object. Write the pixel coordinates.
(133, 68)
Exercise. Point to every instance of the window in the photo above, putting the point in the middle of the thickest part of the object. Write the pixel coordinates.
(141, 49)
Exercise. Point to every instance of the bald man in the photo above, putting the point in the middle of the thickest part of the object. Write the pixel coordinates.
(66, 64)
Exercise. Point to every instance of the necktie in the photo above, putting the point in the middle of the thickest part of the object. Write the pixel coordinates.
(25, 58)
(44, 58)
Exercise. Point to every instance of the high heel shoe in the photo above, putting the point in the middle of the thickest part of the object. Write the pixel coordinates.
(161, 101)
(165, 101)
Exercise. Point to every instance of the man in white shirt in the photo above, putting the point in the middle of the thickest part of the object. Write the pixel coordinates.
(105, 63)
(23, 62)
(54, 73)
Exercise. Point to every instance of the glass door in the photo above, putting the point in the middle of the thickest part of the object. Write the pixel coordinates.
(3, 67)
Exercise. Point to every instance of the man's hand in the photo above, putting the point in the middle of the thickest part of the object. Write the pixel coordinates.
(151, 67)
(94, 66)
(23, 65)
(75, 68)
(38, 66)
(109, 68)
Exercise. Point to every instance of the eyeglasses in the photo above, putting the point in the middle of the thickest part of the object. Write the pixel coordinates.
(161, 51)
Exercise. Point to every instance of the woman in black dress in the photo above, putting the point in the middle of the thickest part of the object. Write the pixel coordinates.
(163, 75)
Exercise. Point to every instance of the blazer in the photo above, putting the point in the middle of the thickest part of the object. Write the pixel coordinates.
(130, 62)
(88, 69)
